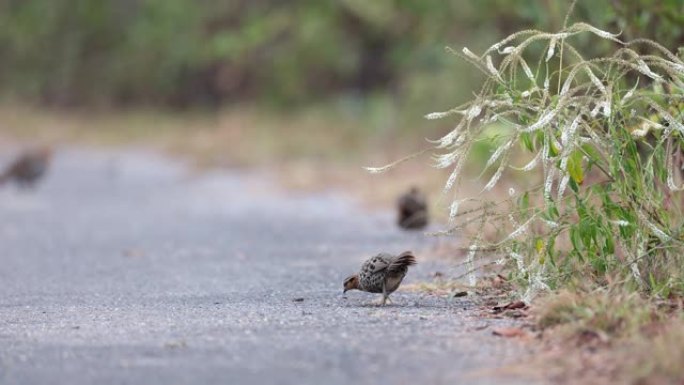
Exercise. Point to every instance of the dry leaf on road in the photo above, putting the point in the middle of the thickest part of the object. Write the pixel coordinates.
(509, 332)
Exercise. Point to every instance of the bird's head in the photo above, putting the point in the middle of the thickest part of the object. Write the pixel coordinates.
(351, 283)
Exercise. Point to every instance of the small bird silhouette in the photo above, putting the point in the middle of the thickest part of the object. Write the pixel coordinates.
(28, 167)
(413, 210)
(381, 274)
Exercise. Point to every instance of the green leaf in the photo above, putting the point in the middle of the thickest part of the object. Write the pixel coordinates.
(553, 149)
(575, 167)
(552, 212)
(526, 140)
(574, 238)
(585, 232)
(609, 247)
(524, 201)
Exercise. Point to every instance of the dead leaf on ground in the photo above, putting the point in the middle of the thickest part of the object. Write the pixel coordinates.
(499, 281)
(510, 306)
(509, 332)
(489, 302)
(516, 313)
(480, 327)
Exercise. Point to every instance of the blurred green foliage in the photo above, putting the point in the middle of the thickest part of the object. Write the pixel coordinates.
(213, 52)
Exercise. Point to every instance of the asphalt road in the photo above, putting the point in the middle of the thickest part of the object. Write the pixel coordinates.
(125, 268)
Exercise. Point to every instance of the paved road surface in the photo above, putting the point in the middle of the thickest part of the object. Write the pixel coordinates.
(124, 268)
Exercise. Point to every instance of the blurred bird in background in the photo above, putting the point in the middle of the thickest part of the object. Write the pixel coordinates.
(413, 210)
(28, 168)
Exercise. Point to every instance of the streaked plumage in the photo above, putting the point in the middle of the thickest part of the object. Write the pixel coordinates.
(412, 210)
(382, 273)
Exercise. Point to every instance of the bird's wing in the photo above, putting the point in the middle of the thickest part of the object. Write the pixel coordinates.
(376, 264)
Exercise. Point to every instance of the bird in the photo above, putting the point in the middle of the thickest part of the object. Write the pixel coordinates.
(382, 273)
(412, 209)
(28, 168)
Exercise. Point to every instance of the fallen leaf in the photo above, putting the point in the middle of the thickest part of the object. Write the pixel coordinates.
(481, 327)
(298, 299)
(509, 332)
(516, 313)
(510, 306)
(499, 281)
(460, 294)
(516, 305)
(490, 302)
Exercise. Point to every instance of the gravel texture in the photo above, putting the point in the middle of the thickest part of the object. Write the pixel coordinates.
(126, 268)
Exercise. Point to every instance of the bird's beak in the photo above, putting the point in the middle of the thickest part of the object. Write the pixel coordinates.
(344, 291)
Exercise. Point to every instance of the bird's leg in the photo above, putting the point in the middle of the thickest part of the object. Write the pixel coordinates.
(385, 296)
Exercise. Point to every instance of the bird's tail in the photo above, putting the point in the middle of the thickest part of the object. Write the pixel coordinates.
(403, 260)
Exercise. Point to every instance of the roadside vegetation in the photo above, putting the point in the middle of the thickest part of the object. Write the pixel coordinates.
(593, 238)
(601, 135)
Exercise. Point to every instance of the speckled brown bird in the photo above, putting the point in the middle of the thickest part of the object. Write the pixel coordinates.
(413, 210)
(381, 274)
(28, 167)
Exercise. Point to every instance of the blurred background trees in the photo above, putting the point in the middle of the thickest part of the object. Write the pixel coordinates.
(185, 53)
